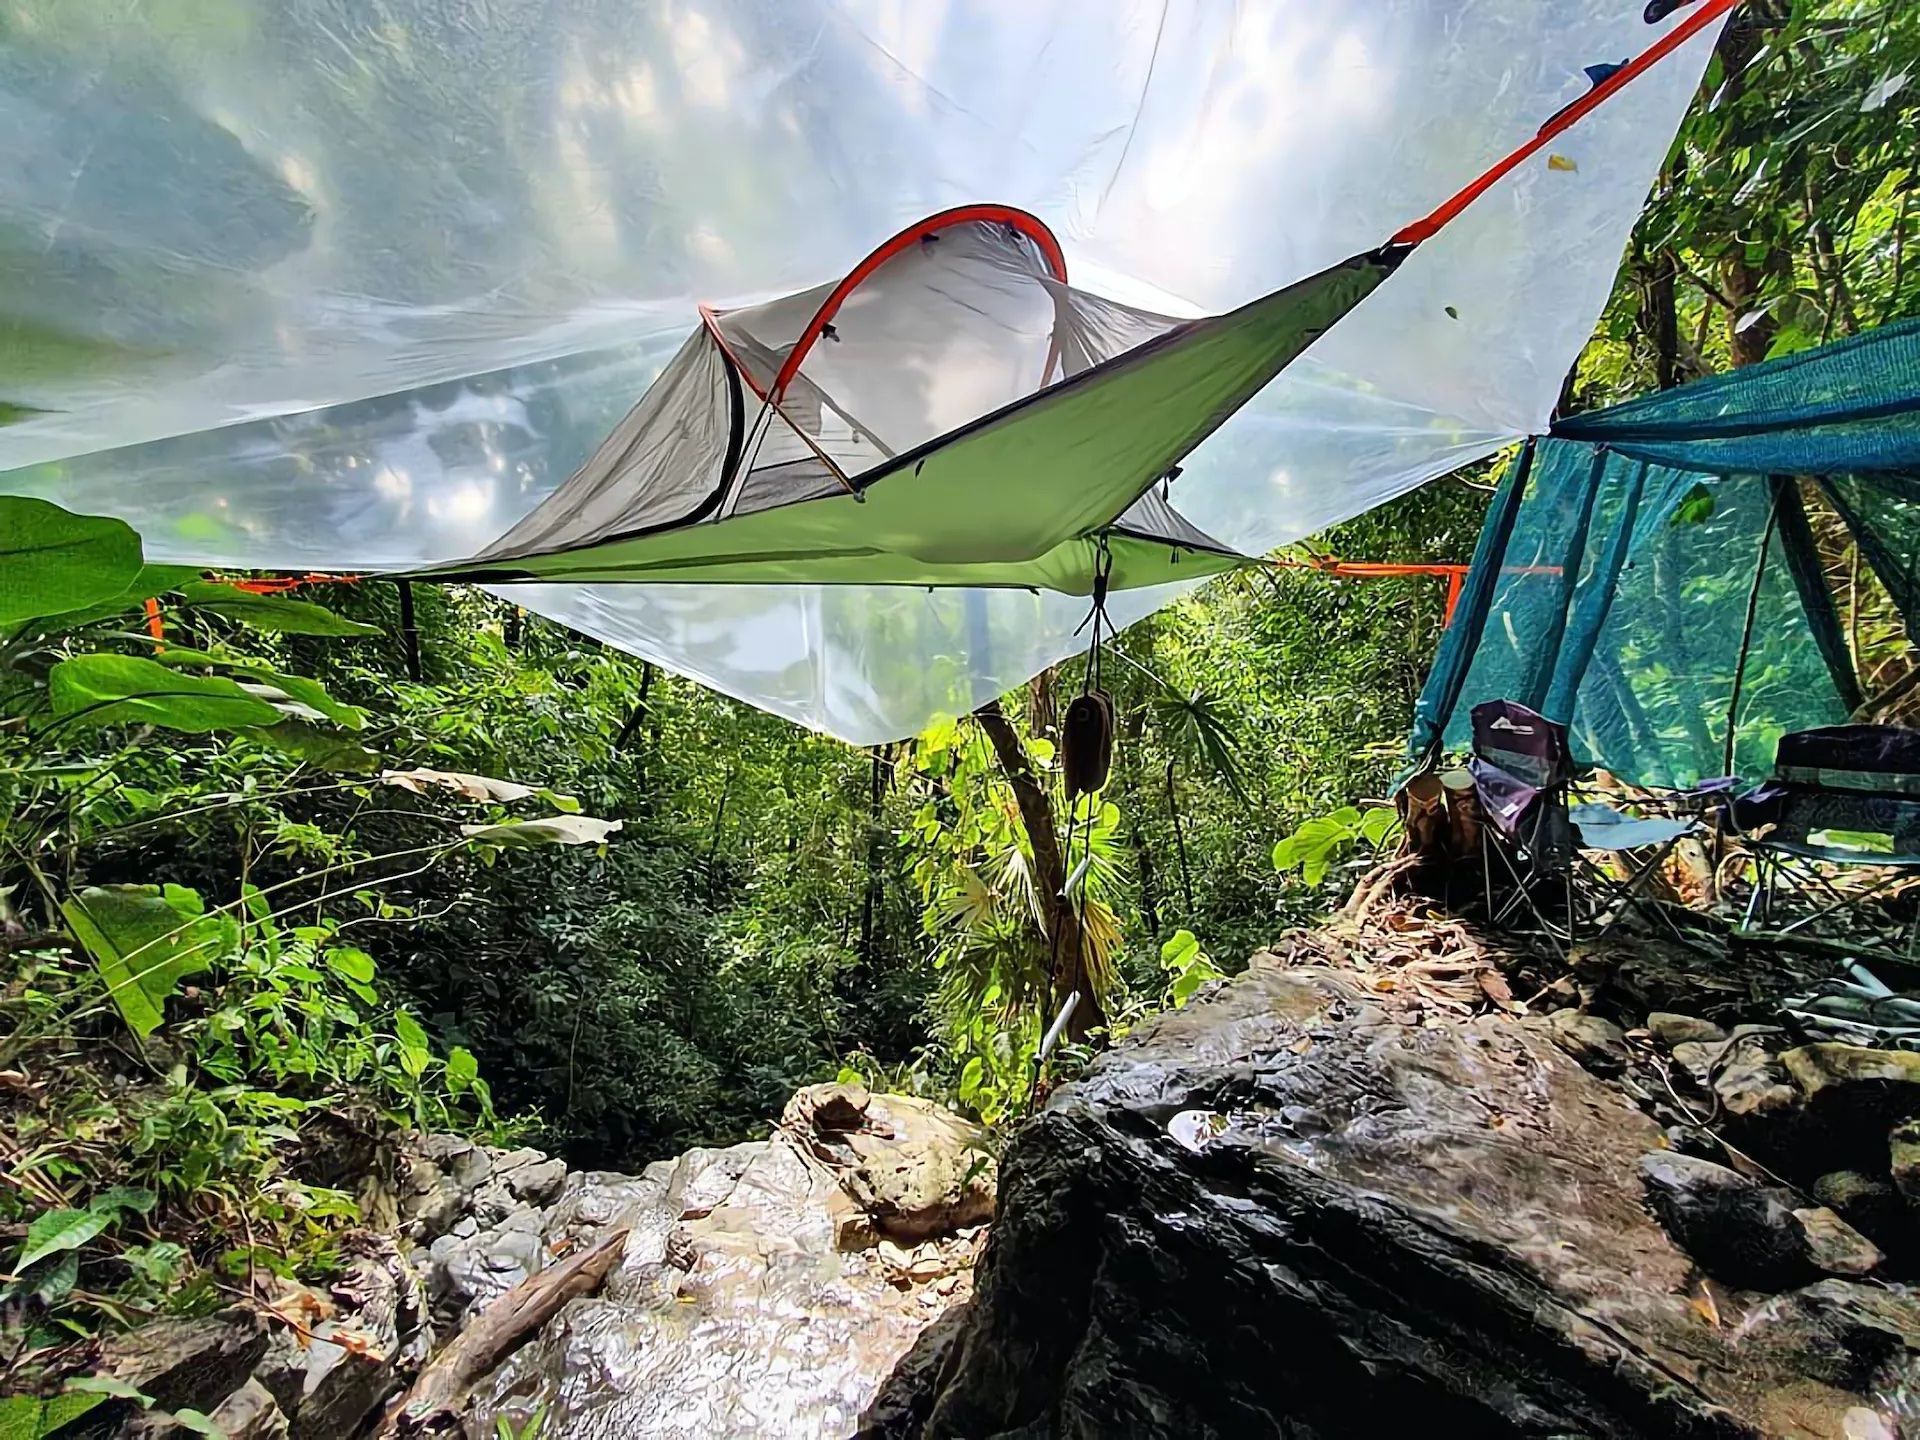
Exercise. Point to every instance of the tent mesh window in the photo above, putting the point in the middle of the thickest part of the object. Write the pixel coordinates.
(1653, 575)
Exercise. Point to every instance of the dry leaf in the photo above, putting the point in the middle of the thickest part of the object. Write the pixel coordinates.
(474, 787)
(1704, 1305)
(1561, 163)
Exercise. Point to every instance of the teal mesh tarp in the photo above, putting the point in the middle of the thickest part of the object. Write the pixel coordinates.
(1613, 580)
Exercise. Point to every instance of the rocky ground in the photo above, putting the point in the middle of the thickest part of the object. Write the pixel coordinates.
(1364, 1189)
(1393, 1179)
(763, 1289)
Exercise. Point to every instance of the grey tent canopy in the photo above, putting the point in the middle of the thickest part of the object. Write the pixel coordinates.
(951, 413)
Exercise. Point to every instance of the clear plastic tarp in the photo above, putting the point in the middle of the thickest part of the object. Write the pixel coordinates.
(313, 284)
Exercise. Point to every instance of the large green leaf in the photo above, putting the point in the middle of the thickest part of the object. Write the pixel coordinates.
(129, 690)
(58, 1230)
(144, 939)
(296, 688)
(324, 749)
(270, 612)
(149, 581)
(53, 560)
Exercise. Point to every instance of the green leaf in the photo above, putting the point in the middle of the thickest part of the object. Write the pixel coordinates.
(28, 1417)
(324, 749)
(462, 1069)
(53, 560)
(57, 1230)
(127, 690)
(110, 1387)
(1695, 507)
(296, 688)
(548, 830)
(151, 580)
(1377, 824)
(415, 1050)
(970, 1077)
(198, 1423)
(1179, 949)
(144, 940)
(124, 1197)
(274, 613)
(351, 963)
(56, 1280)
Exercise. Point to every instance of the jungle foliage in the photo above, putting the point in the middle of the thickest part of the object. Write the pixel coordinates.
(264, 896)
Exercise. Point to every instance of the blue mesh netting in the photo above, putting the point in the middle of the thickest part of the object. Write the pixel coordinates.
(1845, 408)
(1613, 578)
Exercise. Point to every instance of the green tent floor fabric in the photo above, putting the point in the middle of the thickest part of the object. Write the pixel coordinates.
(1631, 546)
(1009, 499)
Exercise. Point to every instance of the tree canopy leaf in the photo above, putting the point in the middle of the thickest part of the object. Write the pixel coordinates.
(52, 560)
(130, 690)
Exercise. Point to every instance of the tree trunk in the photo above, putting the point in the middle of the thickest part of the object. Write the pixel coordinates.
(1043, 704)
(1049, 872)
(1744, 281)
(1179, 844)
(1663, 320)
(1132, 726)
(870, 900)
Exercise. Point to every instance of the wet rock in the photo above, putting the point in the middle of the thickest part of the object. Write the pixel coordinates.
(738, 1306)
(1669, 1029)
(251, 1413)
(1835, 1246)
(1745, 1079)
(915, 1168)
(179, 1364)
(1459, 1244)
(538, 1183)
(1596, 1043)
(1739, 1231)
(1903, 1157)
(467, 1273)
(1846, 1083)
(1871, 1205)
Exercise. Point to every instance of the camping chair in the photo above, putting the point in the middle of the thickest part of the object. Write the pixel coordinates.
(1840, 797)
(1523, 771)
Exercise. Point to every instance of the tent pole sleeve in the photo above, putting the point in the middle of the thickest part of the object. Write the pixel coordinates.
(409, 631)
(1460, 639)
(1589, 616)
(1803, 561)
(1746, 628)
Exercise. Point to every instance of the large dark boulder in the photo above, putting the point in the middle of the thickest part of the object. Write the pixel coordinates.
(1303, 1209)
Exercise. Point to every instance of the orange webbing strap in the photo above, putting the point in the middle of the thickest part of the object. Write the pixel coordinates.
(266, 585)
(1456, 574)
(282, 584)
(1427, 228)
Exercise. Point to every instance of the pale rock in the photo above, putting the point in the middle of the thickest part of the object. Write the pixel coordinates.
(1595, 1042)
(1669, 1029)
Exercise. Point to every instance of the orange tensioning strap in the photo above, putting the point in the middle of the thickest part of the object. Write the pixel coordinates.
(1456, 574)
(281, 584)
(1427, 228)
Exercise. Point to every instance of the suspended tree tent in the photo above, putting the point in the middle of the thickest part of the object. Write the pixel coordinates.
(280, 313)
(1650, 574)
(950, 413)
